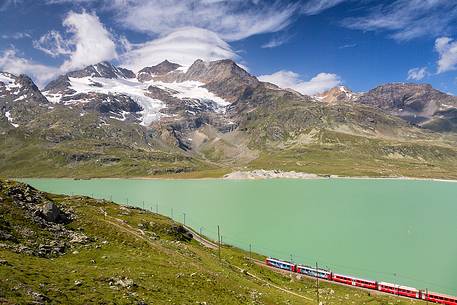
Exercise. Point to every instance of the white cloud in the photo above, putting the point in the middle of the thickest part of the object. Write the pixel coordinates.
(347, 46)
(447, 50)
(11, 62)
(183, 46)
(314, 7)
(88, 43)
(16, 35)
(276, 41)
(231, 20)
(288, 79)
(408, 19)
(53, 44)
(91, 40)
(417, 73)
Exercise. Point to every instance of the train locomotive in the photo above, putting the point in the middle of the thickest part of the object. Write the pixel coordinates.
(395, 289)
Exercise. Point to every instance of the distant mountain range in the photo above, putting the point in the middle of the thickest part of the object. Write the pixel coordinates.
(214, 117)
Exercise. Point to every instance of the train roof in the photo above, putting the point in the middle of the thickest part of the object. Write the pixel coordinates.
(355, 278)
(398, 286)
(313, 268)
(279, 261)
(442, 295)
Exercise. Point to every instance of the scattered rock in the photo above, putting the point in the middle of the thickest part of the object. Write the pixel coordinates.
(39, 297)
(78, 283)
(50, 212)
(181, 233)
(123, 282)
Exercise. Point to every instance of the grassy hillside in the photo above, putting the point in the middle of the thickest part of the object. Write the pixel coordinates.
(103, 253)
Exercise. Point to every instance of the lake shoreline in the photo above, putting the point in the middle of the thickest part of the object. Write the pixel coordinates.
(260, 174)
(257, 175)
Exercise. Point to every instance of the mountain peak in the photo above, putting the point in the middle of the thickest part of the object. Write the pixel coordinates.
(147, 73)
(338, 94)
(208, 71)
(102, 69)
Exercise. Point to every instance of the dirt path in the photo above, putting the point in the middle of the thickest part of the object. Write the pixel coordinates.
(270, 284)
(203, 241)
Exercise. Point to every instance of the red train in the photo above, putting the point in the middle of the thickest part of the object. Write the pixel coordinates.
(368, 284)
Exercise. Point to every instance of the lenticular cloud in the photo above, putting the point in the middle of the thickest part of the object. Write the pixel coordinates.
(183, 46)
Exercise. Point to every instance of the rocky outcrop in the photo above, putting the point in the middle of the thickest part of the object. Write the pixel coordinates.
(223, 77)
(148, 73)
(180, 233)
(51, 213)
(31, 223)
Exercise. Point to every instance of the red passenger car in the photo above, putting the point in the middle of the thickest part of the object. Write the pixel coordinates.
(399, 290)
(439, 298)
(353, 281)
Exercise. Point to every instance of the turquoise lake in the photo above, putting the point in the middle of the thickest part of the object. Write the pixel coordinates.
(401, 231)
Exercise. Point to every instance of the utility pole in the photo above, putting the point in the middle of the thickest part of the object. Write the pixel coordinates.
(250, 253)
(201, 231)
(143, 204)
(219, 240)
(317, 285)
(184, 218)
(171, 213)
(426, 295)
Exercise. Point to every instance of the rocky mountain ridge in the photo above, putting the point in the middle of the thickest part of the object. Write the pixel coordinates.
(210, 114)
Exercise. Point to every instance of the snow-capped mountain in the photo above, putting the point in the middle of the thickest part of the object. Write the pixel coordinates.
(338, 94)
(20, 98)
(171, 118)
(120, 94)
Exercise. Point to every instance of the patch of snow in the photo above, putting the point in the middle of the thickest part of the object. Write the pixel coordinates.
(183, 69)
(446, 106)
(10, 119)
(188, 91)
(193, 90)
(96, 69)
(21, 98)
(124, 117)
(6, 79)
(343, 89)
(133, 88)
(53, 98)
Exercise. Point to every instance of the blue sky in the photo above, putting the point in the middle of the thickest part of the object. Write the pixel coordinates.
(308, 45)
